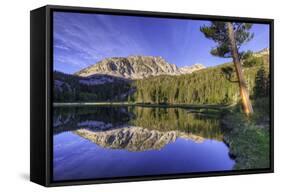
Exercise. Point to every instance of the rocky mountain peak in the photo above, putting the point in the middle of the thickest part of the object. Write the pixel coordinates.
(134, 67)
(192, 68)
(262, 52)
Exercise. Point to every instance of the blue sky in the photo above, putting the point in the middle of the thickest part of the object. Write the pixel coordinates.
(81, 40)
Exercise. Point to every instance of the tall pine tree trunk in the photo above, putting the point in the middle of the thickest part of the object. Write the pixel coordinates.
(246, 103)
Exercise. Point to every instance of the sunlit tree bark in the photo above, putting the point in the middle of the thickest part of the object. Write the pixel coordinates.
(244, 93)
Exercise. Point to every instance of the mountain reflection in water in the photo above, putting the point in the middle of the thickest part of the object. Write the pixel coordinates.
(134, 138)
(135, 129)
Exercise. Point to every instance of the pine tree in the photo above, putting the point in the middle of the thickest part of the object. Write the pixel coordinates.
(229, 37)
(261, 84)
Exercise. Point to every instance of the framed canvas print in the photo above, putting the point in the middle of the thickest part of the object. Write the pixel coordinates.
(119, 95)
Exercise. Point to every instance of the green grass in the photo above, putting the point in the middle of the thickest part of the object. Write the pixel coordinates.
(247, 138)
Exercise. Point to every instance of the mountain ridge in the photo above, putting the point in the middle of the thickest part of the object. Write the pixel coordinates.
(137, 67)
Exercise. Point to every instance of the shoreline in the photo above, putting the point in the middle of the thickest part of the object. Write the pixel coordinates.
(247, 139)
(177, 105)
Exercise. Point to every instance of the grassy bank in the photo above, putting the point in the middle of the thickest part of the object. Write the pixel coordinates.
(248, 138)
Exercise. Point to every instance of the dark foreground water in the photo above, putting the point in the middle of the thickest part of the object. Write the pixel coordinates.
(103, 142)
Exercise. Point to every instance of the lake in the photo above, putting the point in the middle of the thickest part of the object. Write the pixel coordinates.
(91, 142)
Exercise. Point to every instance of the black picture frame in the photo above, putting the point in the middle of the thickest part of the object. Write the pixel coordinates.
(41, 59)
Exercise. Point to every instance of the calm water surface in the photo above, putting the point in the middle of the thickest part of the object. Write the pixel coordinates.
(102, 142)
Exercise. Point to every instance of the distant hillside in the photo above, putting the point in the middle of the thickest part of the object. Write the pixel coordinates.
(192, 68)
(136, 67)
(213, 85)
(71, 88)
(262, 52)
